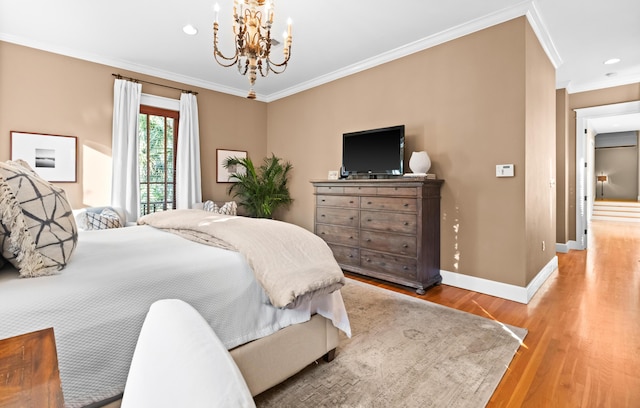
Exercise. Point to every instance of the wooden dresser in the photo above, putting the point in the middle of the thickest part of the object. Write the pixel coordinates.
(387, 229)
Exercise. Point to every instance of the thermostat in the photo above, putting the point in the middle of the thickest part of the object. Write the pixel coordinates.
(504, 170)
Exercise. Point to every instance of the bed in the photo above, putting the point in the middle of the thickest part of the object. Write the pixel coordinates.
(98, 302)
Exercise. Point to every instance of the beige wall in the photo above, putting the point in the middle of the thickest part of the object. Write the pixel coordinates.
(563, 205)
(620, 164)
(466, 102)
(472, 103)
(53, 94)
(540, 156)
(608, 96)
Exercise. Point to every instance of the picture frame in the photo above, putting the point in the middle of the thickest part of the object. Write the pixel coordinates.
(53, 157)
(224, 174)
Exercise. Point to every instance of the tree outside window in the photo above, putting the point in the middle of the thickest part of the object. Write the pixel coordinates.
(157, 133)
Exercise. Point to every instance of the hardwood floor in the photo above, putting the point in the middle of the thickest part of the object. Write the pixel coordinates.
(583, 346)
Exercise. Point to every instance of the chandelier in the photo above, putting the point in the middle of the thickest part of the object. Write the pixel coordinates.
(252, 21)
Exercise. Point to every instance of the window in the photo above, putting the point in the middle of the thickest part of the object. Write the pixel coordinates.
(157, 134)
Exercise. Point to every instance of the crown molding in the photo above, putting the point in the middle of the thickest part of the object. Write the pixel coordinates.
(605, 83)
(540, 28)
(526, 8)
(129, 66)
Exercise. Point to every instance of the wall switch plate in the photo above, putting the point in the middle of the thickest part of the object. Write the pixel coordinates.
(504, 170)
(333, 175)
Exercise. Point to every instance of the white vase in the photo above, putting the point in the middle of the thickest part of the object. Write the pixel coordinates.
(419, 163)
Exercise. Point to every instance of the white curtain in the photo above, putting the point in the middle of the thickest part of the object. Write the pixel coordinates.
(188, 188)
(125, 192)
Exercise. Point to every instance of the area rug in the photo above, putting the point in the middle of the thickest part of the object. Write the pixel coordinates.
(404, 352)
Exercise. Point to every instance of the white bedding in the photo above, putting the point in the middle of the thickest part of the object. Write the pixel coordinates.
(97, 304)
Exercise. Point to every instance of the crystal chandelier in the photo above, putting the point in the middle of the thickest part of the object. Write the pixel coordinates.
(252, 21)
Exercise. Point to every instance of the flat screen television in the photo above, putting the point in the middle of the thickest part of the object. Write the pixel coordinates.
(373, 152)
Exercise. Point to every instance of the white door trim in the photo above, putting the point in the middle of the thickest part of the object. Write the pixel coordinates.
(582, 124)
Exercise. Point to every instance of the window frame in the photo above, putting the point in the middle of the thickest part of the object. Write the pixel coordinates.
(166, 113)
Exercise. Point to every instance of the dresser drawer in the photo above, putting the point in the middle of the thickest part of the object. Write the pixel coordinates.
(329, 190)
(393, 265)
(346, 255)
(389, 203)
(360, 190)
(387, 221)
(397, 191)
(337, 201)
(338, 234)
(338, 216)
(387, 242)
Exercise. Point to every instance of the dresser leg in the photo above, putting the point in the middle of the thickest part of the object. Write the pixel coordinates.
(420, 291)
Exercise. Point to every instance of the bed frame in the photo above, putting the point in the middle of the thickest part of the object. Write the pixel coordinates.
(270, 360)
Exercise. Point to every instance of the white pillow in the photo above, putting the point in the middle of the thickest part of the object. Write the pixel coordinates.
(229, 208)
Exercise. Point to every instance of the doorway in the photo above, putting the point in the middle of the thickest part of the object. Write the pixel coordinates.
(587, 121)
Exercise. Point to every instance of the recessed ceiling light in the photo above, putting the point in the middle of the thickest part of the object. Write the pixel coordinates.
(612, 61)
(190, 30)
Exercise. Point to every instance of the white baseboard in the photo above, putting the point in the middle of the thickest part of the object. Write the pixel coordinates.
(502, 290)
(564, 248)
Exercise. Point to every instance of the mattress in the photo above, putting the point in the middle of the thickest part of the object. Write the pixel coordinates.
(97, 304)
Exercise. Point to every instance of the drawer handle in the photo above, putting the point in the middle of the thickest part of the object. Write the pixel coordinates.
(350, 237)
(406, 268)
(323, 200)
(322, 215)
(368, 260)
(369, 203)
(368, 219)
(351, 256)
(405, 245)
(351, 218)
(351, 202)
(406, 204)
(322, 233)
(405, 223)
(368, 239)
(382, 264)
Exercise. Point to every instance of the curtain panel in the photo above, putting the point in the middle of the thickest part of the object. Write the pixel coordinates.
(125, 192)
(188, 186)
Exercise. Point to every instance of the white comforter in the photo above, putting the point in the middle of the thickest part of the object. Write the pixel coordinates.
(291, 264)
(97, 304)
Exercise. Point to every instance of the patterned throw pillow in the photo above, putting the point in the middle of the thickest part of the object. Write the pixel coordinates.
(38, 231)
(4, 234)
(105, 220)
(229, 208)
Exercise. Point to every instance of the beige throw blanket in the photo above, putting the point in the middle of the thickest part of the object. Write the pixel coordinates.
(290, 263)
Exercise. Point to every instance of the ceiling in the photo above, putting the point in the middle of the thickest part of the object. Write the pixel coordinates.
(615, 123)
(331, 38)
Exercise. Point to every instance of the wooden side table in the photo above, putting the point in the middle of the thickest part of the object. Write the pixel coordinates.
(29, 375)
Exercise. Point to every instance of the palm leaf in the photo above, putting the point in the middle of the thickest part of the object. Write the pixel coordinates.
(260, 190)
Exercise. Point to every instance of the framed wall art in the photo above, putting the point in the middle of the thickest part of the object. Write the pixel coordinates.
(53, 157)
(224, 174)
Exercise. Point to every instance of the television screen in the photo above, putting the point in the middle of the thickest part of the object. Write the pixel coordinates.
(374, 152)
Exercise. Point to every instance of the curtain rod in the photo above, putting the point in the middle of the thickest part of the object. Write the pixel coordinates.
(153, 83)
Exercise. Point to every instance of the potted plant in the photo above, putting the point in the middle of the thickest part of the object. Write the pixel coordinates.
(260, 190)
